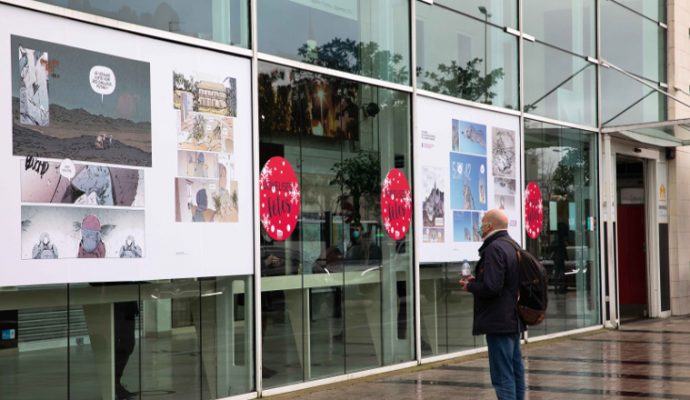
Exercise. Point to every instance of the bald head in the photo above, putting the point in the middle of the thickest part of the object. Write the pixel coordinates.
(497, 218)
(494, 220)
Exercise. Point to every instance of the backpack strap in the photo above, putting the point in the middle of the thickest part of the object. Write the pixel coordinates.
(510, 240)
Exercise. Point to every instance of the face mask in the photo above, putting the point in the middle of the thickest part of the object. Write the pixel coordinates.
(89, 240)
(355, 234)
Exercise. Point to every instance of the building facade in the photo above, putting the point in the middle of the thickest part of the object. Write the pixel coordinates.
(154, 135)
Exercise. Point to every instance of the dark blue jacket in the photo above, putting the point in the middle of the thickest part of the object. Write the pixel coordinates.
(495, 288)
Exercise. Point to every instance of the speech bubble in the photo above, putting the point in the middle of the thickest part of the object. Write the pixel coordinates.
(102, 80)
(67, 169)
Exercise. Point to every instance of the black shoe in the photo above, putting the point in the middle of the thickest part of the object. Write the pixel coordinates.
(123, 394)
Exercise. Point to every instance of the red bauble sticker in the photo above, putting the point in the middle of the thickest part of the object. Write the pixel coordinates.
(534, 210)
(280, 198)
(396, 204)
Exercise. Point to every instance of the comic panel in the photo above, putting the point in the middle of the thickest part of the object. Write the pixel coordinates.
(466, 226)
(78, 232)
(78, 104)
(77, 183)
(469, 137)
(200, 200)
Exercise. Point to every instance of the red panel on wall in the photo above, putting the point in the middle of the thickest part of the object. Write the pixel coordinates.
(632, 271)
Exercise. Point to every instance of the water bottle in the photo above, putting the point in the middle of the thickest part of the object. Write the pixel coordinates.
(466, 269)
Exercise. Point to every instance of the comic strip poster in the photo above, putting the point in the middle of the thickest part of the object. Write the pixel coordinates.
(205, 113)
(69, 103)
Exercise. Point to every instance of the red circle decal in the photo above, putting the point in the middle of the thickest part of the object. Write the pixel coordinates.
(280, 198)
(534, 211)
(396, 204)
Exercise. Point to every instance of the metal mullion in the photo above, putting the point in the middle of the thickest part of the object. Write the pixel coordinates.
(464, 102)
(415, 278)
(616, 2)
(483, 21)
(560, 123)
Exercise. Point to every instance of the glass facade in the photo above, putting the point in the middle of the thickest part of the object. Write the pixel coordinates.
(364, 37)
(180, 339)
(463, 57)
(563, 163)
(336, 297)
(559, 85)
(625, 100)
(223, 21)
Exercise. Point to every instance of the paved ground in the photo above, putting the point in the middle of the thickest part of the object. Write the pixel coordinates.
(648, 359)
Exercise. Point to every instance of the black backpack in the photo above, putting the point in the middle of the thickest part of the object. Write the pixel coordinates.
(533, 287)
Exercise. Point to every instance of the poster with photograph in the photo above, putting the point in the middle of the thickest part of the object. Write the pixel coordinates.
(72, 103)
(433, 205)
(466, 164)
(109, 136)
(76, 232)
(468, 190)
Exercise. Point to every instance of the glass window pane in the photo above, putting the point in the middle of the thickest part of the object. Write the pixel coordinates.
(105, 335)
(562, 162)
(559, 85)
(569, 24)
(367, 37)
(627, 101)
(451, 49)
(446, 310)
(225, 331)
(170, 349)
(620, 29)
(33, 342)
(224, 21)
(654, 9)
(337, 293)
(498, 12)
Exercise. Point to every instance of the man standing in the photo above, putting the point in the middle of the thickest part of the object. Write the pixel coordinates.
(495, 290)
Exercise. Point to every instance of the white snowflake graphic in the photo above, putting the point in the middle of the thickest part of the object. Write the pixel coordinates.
(407, 199)
(265, 175)
(294, 193)
(387, 224)
(265, 221)
(386, 184)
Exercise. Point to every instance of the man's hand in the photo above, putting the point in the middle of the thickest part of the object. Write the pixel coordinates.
(465, 281)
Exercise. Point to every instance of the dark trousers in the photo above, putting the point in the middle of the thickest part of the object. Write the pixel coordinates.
(125, 314)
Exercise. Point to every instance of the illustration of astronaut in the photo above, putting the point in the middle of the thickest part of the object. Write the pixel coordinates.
(91, 244)
(130, 249)
(44, 249)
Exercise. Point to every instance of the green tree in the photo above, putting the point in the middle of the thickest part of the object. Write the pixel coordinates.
(465, 82)
(358, 177)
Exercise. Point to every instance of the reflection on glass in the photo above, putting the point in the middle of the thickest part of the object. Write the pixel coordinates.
(621, 28)
(462, 57)
(446, 311)
(110, 312)
(224, 21)
(336, 294)
(559, 85)
(654, 9)
(562, 161)
(568, 25)
(33, 342)
(627, 101)
(498, 12)
(366, 37)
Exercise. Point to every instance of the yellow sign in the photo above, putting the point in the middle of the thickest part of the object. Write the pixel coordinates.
(662, 192)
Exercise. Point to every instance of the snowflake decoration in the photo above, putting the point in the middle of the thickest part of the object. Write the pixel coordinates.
(407, 199)
(386, 184)
(387, 224)
(265, 221)
(294, 193)
(265, 175)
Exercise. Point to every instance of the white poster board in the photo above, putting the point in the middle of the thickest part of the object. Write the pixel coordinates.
(100, 181)
(467, 161)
